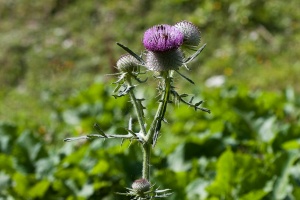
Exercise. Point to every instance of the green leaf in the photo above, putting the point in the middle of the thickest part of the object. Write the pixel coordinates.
(196, 189)
(222, 185)
(291, 144)
(254, 195)
(176, 160)
(101, 167)
(39, 189)
(8, 133)
(70, 174)
(21, 184)
(267, 129)
(86, 191)
(31, 145)
(4, 180)
(102, 184)
(284, 164)
(6, 163)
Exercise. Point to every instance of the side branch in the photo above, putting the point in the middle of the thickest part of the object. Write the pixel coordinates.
(138, 109)
(129, 136)
(97, 136)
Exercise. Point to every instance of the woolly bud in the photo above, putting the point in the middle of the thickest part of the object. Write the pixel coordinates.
(141, 185)
(162, 61)
(127, 63)
(191, 33)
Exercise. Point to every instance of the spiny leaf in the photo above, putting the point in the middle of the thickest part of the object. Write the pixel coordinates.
(192, 57)
(131, 53)
(186, 78)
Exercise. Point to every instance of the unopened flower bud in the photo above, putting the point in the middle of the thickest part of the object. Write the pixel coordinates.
(141, 185)
(127, 63)
(191, 33)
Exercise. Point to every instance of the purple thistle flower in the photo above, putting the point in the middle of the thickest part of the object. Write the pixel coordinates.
(162, 38)
(163, 42)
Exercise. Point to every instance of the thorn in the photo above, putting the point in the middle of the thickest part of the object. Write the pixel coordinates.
(186, 67)
(191, 100)
(99, 130)
(131, 132)
(199, 103)
(130, 143)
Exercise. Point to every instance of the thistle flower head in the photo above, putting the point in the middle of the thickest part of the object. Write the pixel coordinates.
(141, 189)
(163, 42)
(162, 38)
(141, 185)
(127, 63)
(191, 33)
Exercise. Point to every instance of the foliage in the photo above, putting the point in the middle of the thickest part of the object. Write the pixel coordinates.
(247, 148)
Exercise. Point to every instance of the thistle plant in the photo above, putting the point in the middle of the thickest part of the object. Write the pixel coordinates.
(167, 49)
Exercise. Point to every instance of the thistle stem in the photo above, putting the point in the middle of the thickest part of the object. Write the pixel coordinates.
(146, 160)
(160, 113)
(156, 124)
(153, 129)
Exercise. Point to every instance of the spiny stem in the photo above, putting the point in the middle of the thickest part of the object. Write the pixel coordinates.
(155, 126)
(157, 119)
(137, 108)
(146, 160)
(161, 108)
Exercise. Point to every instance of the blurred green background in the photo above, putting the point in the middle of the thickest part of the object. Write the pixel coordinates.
(54, 55)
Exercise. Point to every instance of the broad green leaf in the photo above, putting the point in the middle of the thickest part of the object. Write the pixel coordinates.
(31, 146)
(101, 167)
(21, 184)
(74, 173)
(196, 189)
(4, 180)
(39, 189)
(8, 133)
(6, 163)
(176, 160)
(222, 185)
(291, 144)
(254, 195)
(86, 191)
(76, 156)
(267, 128)
(284, 164)
(102, 184)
